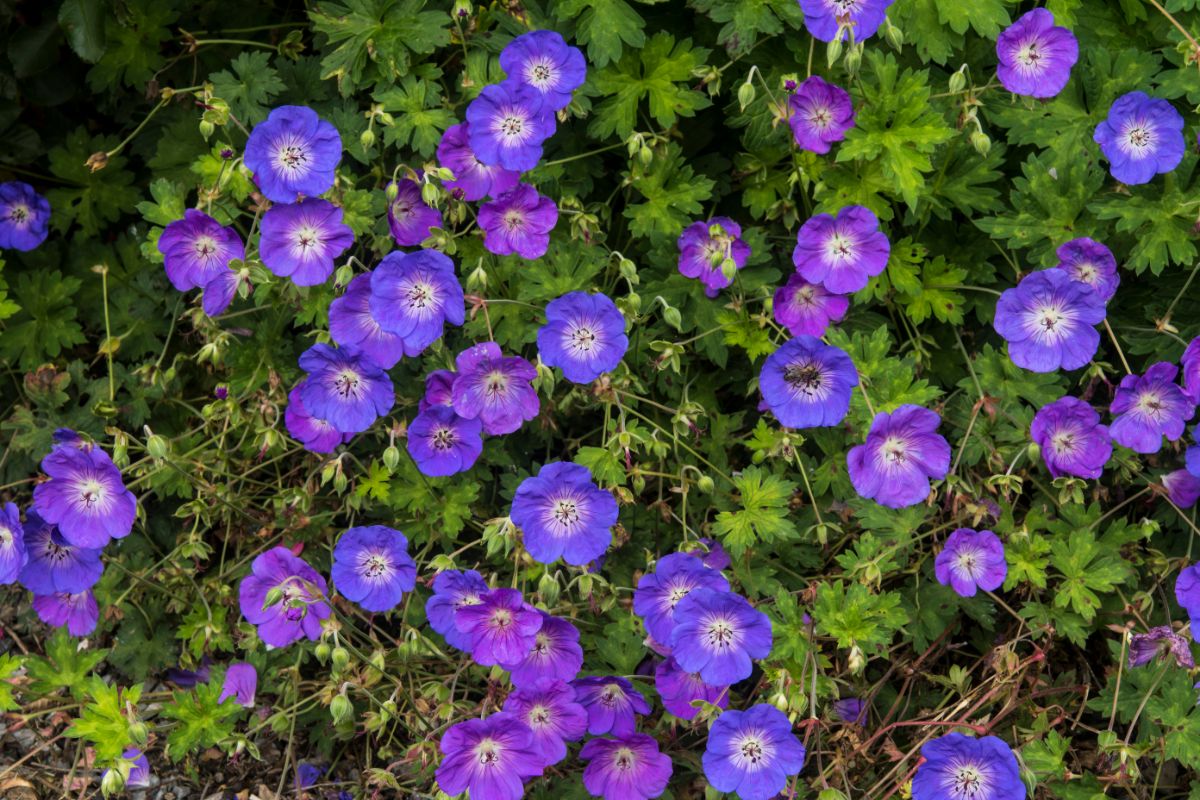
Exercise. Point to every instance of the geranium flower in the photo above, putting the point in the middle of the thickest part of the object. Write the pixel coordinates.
(352, 325)
(678, 690)
(293, 152)
(300, 241)
(413, 296)
(507, 124)
(372, 567)
(902, 453)
(659, 592)
(472, 178)
(442, 443)
(552, 714)
(344, 387)
(85, 496)
(1190, 366)
(626, 768)
(75, 610)
(584, 336)
(52, 564)
(543, 61)
(958, 767)
(491, 758)
(971, 560)
(555, 656)
(494, 388)
(241, 683)
(806, 309)
(1149, 407)
(564, 514)
(410, 218)
(719, 635)
(1142, 137)
(841, 253)
(197, 249)
(453, 590)
(612, 704)
(317, 435)
(1183, 488)
(824, 18)
(752, 753)
(24, 217)
(706, 248)
(1091, 263)
(1035, 55)
(439, 390)
(819, 114)
(1049, 321)
(299, 610)
(1071, 438)
(518, 221)
(807, 383)
(12, 543)
(501, 628)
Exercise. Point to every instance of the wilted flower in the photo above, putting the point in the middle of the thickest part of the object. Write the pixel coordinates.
(518, 221)
(958, 767)
(24, 217)
(971, 560)
(372, 567)
(1148, 407)
(626, 768)
(851, 710)
(807, 383)
(552, 714)
(1071, 438)
(293, 152)
(712, 252)
(1142, 137)
(564, 514)
(841, 253)
(1035, 55)
(612, 704)
(718, 635)
(543, 61)
(752, 753)
(1049, 321)
(819, 114)
(296, 589)
(902, 453)
(410, 219)
(584, 336)
(1160, 642)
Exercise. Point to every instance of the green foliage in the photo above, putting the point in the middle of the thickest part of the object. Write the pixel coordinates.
(105, 719)
(858, 618)
(201, 720)
(762, 515)
(250, 87)
(651, 74)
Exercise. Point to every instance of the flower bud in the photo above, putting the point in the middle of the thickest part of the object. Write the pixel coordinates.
(981, 142)
(462, 9)
(705, 484)
(854, 59)
(341, 709)
(344, 274)
(745, 94)
(833, 52)
(113, 781)
(780, 701)
(274, 595)
(392, 192)
(548, 589)
(673, 317)
(138, 732)
(339, 658)
(728, 268)
(645, 155)
(958, 81)
(628, 270)
(321, 651)
(391, 457)
(893, 35)
(98, 161)
(206, 129)
(366, 139)
(857, 660)
(431, 194)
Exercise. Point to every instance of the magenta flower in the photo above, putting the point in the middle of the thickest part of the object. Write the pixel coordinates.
(1183, 488)
(241, 683)
(293, 152)
(317, 435)
(1035, 55)
(552, 714)
(806, 309)
(77, 611)
(971, 560)
(197, 249)
(12, 543)
(902, 453)
(1142, 137)
(819, 113)
(410, 219)
(544, 61)
(24, 217)
(678, 690)
(297, 590)
(85, 496)
(827, 20)
(518, 221)
(841, 253)
(491, 758)
(439, 390)
(612, 704)
(494, 388)
(807, 383)
(474, 179)
(627, 768)
(1049, 321)
(712, 252)
(300, 241)
(1087, 261)
(1149, 407)
(507, 124)
(502, 628)
(1071, 438)
(555, 655)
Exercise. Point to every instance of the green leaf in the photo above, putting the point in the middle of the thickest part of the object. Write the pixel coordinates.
(133, 50)
(1088, 569)
(65, 666)
(103, 721)
(83, 23)
(936, 296)
(892, 380)
(858, 618)
(673, 194)
(746, 21)
(604, 26)
(45, 325)
(141, 649)
(936, 27)
(897, 125)
(1160, 221)
(203, 721)
(420, 117)
(372, 40)
(9, 665)
(763, 513)
(92, 199)
(606, 467)
(251, 86)
(620, 645)
(653, 74)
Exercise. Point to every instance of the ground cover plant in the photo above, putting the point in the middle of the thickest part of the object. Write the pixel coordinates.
(622, 399)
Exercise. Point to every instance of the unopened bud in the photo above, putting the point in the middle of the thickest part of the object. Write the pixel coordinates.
(274, 596)
(893, 35)
(645, 155)
(981, 142)
(206, 129)
(833, 52)
(138, 732)
(705, 484)
(321, 651)
(392, 192)
(854, 59)
(113, 781)
(341, 709)
(431, 194)
(461, 9)
(391, 457)
(366, 139)
(745, 94)
(958, 81)
(548, 589)
(780, 701)
(728, 269)
(344, 274)
(339, 658)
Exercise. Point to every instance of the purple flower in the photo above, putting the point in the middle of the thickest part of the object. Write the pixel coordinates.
(495, 389)
(584, 336)
(187, 678)
(957, 767)
(197, 249)
(442, 443)
(1183, 488)
(24, 217)
(679, 689)
(344, 388)
(902, 453)
(807, 383)
(439, 390)
(317, 435)
(293, 152)
(627, 768)
(139, 769)
(1049, 321)
(299, 609)
(841, 253)
(414, 295)
(1192, 457)
(824, 18)
(220, 291)
(52, 564)
(490, 757)
(453, 590)
(1072, 440)
(716, 557)
(409, 218)
(564, 514)
(85, 496)
(351, 325)
(12, 543)
(372, 567)
(1190, 363)
(719, 634)
(851, 710)
(308, 774)
(555, 655)
(502, 627)
(659, 592)
(820, 113)
(77, 611)
(612, 704)
(1160, 642)
(1035, 55)
(543, 61)
(241, 683)
(472, 177)
(1148, 407)
(1187, 591)
(518, 221)
(301, 240)
(506, 125)
(712, 251)
(1088, 261)
(552, 714)
(806, 309)
(971, 560)
(1142, 137)
(752, 753)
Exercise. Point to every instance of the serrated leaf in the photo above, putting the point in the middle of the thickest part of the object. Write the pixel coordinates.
(201, 719)
(673, 195)
(64, 666)
(250, 87)
(420, 119)
(762, 517)
(652, 74)
(604, 26)
(103, 721)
